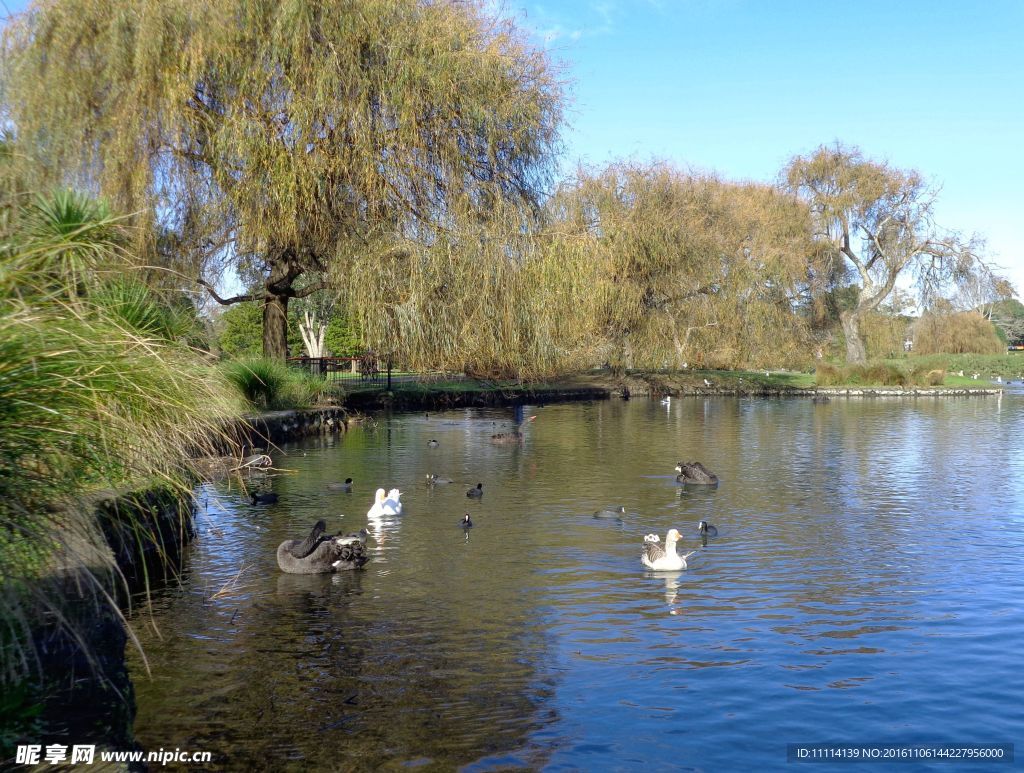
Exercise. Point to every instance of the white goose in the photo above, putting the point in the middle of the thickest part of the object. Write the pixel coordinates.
(663, 558)
(386, 504)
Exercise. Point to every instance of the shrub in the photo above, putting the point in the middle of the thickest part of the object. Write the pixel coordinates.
(880, 373)
(883, 334)
(828, 375)
(308, 389)
(927, 376)
(272, 385)
(875, 374)
(263, 383)
(966, 332)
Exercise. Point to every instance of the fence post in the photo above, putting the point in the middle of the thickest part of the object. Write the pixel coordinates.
(389, 374)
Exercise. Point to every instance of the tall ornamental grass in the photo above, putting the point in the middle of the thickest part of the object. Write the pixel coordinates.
(97, 391)
(272, 385)
(877, 374)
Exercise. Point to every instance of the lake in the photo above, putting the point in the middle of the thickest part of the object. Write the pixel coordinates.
(864, 587)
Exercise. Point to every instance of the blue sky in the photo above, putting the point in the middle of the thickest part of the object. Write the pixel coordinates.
(740, 86)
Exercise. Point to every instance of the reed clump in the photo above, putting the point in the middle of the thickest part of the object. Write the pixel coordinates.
(99, 390)
(271, 385)
(877, 374)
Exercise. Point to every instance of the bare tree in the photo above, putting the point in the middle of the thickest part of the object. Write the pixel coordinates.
(313, 330)
(880, 220)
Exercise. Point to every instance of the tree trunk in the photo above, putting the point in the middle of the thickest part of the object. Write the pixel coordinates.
(856, 354)
(284, 270)
(313, 332)
(627, 352)
(275, 327)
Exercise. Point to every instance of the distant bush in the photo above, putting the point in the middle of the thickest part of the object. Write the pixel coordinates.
(272, 385)
(924, 375)
(876, 374)
(880, 373)
(828, 375)
(884, 334)
(963, 333)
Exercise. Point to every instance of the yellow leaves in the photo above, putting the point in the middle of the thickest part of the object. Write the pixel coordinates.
(679, 263)
(296, 122)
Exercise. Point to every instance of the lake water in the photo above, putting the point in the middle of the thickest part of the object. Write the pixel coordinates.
(865, 587)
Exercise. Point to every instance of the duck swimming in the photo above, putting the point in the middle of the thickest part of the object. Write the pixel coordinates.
(263, 499)
(433, 444)
(663, 559)
(434, 480)
(386, 504)
(320, 554)
(476, 493)
(706, 529)
(610, 512)
(467, 522)
(696, 474)
(346, 486)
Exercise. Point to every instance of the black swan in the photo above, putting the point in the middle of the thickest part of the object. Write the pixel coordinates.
(321, 554)
(695, 473)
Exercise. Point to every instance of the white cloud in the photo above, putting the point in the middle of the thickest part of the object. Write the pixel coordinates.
(552, 25)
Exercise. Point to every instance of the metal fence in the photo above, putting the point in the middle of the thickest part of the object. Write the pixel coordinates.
(367, 370)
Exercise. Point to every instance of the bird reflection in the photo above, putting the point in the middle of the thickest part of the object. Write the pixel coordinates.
(671, 590)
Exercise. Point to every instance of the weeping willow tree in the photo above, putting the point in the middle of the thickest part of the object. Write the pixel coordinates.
(282, 137)
(490, 298)
(686, 268)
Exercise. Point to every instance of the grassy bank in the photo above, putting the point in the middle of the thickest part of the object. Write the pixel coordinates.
(596, 385)
(268, 386)
(100, 389)
(987, 366)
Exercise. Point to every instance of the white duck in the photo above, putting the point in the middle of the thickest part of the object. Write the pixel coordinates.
(386, 504)
(663, 558)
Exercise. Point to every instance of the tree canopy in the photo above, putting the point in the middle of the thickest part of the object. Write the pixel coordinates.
(880, 220)
(284, 136)
(688, 268)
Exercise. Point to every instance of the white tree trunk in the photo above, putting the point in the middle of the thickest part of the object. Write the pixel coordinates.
(313, 332)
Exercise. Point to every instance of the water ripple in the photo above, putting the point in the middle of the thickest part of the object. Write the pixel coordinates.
(861, 586)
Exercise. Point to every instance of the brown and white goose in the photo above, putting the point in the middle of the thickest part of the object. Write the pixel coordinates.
(662, 557)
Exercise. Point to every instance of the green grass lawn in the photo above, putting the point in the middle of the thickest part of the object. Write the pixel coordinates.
(987, 366)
